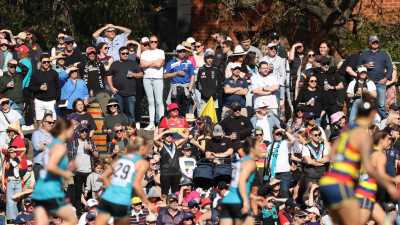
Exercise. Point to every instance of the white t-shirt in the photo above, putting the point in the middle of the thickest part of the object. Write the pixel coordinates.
(282, 161)
(267, 81)
(12, 117)
(151, 55)
(370, 87)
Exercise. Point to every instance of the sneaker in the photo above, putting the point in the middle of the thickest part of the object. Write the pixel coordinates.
(150, 127)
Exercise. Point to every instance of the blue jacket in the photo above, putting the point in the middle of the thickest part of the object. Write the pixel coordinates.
(71, 93)
(382, 62)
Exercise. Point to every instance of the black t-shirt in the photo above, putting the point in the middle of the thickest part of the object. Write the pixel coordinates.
(306, 95)
(209, 82)
(218, 145)
(74, 58)
(351, 61)
(93, 74)
(87, 120)
(119, 70)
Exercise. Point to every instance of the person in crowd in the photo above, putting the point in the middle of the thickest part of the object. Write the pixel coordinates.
(357, 88)
(296, 59)
(93, 73)
(41, 139)
(93, 182)
(59, 47)
(169, 150)
(138, 212)
(356, 142)
(73, 55)
(187, 162)
(236, 59)
(278, 70)
(11, 84)
(126, 172)
(222, 54)
(181, 72)
(235, 206)
(219, 146)
(115, 116)
(245, 42)
(152, 61)
(73, 89)
(8, 117)
(266, 87)
(173, 120)
(134, 50)
(265, 119)
(119, 142)
(198, 55)
(311, 99)
(379, 69)
(337, 125)
(209, 81)
(48, 195)
(82, 116)
(316, 157)
(103, 56)
(81, 149)
(60, 67)
(5, 55)
(276, 39)
(171, 214)
(13, 177)
(236, 126)
(235, 90)
(91, 211)
(46, 88)
(251, 70)
(114, 41)
(122, 79)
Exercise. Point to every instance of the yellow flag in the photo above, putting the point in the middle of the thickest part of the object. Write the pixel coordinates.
(209, 110)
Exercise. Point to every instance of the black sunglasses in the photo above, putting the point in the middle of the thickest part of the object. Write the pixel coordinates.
(45, 62)
(124, 53)
(317, 134)
(311, 55)
(50, 122)
(5, 103)
(197, 46)
(3, 45)
(117, 131)
(12, 66)
(69, 42)
(153, 42)
(313, 81)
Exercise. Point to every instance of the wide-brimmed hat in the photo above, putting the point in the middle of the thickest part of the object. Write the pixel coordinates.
(238, 51)
(334, 118)
(362, 69)
(21, 35)
(190, 117)
(112, 101)
(314, 210)
(13, 127)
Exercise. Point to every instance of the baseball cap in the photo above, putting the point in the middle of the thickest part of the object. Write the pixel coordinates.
(300, 214)
(193, 204)
(151, 218)
(314, 210)
(68, 39)
(92, 202)
(373, 38)
(171, 198)
(90, 50)
(172, 106)
(112, 101)
(260, 104)
(136, 200)
(180, 47)
(235, 106)
(324, 60)
(209, 53)
(362, 69)
(218, 131)
(271, 45)
(190, 40)
(258, 131)
(145, 40)
(28, 162)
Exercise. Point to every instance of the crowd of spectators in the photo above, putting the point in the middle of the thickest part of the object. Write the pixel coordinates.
(294, 99)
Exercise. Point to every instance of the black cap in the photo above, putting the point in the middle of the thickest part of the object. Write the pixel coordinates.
(324, 60)
(274, 35)
(193, 204)
(235, 106)
(112, 101)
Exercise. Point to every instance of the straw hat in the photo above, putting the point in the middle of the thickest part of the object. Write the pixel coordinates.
(13, 127)
(238, 51)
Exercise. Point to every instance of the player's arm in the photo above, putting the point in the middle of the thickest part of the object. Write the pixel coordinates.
(141, 167)
(106, 176)
(245, 172)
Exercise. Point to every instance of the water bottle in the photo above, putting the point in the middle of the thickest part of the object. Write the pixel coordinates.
(326, 85)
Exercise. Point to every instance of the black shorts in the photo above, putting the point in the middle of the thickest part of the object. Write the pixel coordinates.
(232, 211)
(115, 210)
(51, 205)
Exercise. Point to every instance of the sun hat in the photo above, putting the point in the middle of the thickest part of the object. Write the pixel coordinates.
(334, 118)
(238, 50)
(190, 40)
(92, 202)
(362, 69)
(314, 210)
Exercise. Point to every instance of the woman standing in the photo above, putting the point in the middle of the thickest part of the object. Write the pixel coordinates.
(127, 172)
(48, 194)
(235, 206)
(103, 57)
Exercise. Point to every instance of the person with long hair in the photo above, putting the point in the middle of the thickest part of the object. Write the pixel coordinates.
(126, 172)
(351, 151)
(48, 195)
(103, 56)
(367, 186)
(235, 206)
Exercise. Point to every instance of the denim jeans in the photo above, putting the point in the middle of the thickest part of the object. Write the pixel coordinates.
(353, 112)
(381, 99)
(127, 105)
(154, 89)
(286, 179)
(13, 187)
(19, 107)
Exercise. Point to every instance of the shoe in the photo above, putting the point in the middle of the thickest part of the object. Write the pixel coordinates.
(27, 128)
(150, 127)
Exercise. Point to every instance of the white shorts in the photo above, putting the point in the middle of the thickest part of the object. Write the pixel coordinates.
(42, 107)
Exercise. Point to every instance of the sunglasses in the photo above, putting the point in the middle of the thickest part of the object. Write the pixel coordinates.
(45, 62)
(5, 103)
(313, 81)
(145, 44)
(317, 135)
(69, 42)
(12, 66)
(92, 53)
(118, 131)
(2, 45)
(49, 122)
(180, 51)
(112, 106)
(124, 53)
(153, 42)
(311, 55)
(106, 48)
(197, 46)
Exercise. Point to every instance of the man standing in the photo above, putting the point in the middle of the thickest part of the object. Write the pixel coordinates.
(114, 41)
(235, 89)
(265, 87)
(122, 81)
(46, 88)
(181, 71)
(152, 61)
(380, 69)
(245, 42)
(72, 54)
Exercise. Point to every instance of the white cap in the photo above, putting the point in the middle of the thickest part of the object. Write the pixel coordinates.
(362, 69)
(190, 40)
(28, 162)
(260, 103)
(180, 47)
(92, 202)
(271, 44)
(151, 218)
(144, 40)
(314, 210)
